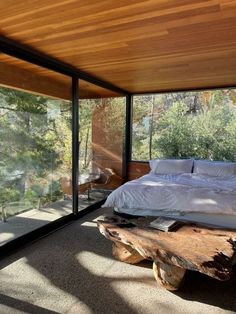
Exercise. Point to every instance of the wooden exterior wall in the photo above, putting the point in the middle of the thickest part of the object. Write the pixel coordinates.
(107, 139)
(137, 169)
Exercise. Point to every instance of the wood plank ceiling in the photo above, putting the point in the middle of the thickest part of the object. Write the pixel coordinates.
(138, 45)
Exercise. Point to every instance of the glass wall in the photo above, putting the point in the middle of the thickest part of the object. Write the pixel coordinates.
(35, 150)
(101, 141)
(199, 124)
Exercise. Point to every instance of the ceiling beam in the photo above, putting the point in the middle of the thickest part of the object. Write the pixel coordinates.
(28, 54)
(182, 90)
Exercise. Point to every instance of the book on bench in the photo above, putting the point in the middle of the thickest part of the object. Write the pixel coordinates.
(164, 224)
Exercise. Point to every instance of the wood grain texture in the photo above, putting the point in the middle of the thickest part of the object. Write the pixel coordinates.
(126, 253)
(37, 80)
(137, 169)
(168, 276)
(209, 251)
(13, 76)
(107, 139)
(140, 46)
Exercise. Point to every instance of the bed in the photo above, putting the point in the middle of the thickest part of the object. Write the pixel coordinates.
(195, 190)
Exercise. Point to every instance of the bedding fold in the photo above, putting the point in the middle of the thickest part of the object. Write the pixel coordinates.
(188, 192)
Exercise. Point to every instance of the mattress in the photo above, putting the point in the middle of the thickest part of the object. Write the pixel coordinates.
(182, 193)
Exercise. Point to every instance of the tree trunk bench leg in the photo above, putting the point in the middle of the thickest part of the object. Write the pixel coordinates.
(126, 253)
(169, 276)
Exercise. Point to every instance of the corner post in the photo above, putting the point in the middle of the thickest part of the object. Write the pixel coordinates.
(75, 143)
(127, 138)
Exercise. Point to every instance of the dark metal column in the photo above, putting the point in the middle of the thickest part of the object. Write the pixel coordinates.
(75, 143)
(127, 138)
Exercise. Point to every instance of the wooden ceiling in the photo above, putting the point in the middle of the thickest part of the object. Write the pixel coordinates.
(137, 45)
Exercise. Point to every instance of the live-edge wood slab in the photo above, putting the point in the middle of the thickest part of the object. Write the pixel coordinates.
(209, 251)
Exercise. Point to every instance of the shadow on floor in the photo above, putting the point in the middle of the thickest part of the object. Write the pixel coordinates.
(198, 287)
(23, 305)
(59, 258)
(201, 288)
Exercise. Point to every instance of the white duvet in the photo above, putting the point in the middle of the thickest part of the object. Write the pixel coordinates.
(187, 192)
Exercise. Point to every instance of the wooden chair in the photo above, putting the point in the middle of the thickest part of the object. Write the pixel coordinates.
(66, 186)
(108, 180)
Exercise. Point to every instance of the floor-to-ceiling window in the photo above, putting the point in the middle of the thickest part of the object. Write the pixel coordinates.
(101, 142)
(198, 124)
(35, 149)
(37, 162)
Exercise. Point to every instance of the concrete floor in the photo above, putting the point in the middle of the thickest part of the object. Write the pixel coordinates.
(73, 271)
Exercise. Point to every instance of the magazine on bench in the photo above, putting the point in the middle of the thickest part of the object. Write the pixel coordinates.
(164, 224)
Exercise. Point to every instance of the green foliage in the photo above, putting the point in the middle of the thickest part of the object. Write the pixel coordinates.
(200, 125)
(31, 195)
(141, 127)
(34, 137)
(174, 133)
(37, 192)
(86, 109)
(8, 193)
(23, 132)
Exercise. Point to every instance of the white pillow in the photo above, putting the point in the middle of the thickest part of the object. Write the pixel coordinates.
(215, 168)
(171, 166)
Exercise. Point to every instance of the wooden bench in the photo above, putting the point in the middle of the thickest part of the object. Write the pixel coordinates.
(209, 251)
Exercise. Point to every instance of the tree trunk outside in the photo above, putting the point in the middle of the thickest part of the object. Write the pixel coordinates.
(151, 128)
